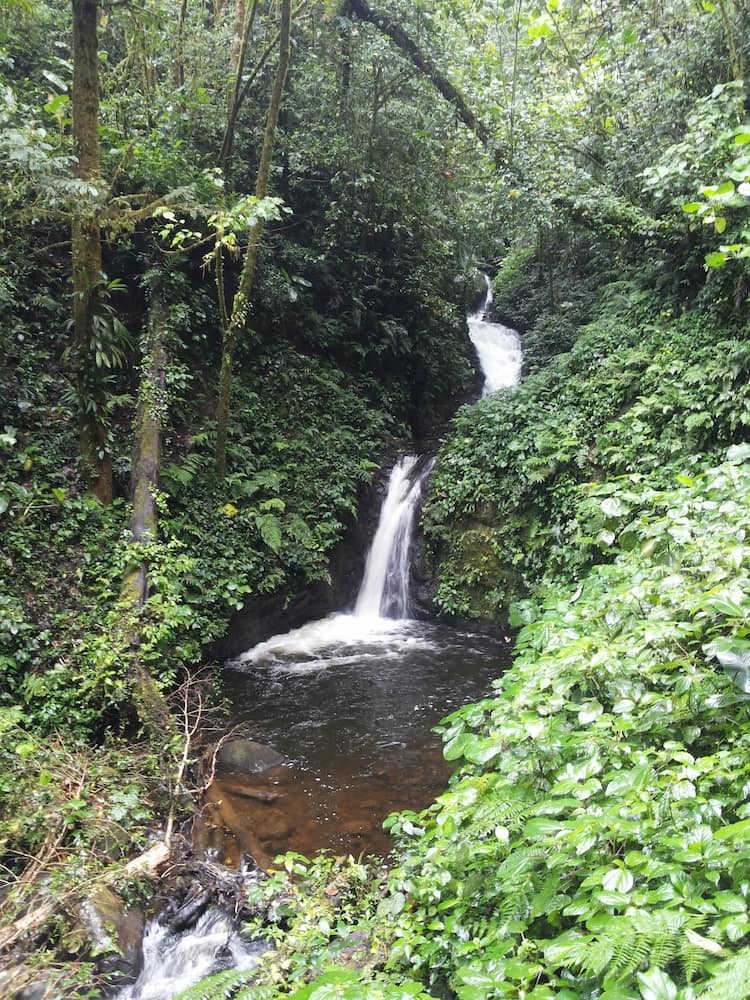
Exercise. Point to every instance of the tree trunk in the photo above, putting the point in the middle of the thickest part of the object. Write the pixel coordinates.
(147, 444)
(241, 302)
(345, 44)
(243, 27)
(149, 702)
(87, 252)
(393, 30)
(178, 69)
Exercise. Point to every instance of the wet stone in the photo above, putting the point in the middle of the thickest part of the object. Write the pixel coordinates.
(248, 757)
(115, 932)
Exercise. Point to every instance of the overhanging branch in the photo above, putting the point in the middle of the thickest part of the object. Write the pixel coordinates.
(393, 30)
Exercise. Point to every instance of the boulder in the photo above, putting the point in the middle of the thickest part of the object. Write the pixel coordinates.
(22, 982)
(248, 757)
(115, 932)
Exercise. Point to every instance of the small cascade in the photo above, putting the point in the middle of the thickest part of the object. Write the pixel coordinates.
(384, 592)
(497, 346)
(174, 961)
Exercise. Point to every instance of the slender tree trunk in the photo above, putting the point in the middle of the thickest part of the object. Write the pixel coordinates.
(147, 443)
(178, 69)
(514, 87)
(345, 43)
(736, 59)
(241, 302)
(144, 522)
(86, 250)
(244, 20)
(238, 35)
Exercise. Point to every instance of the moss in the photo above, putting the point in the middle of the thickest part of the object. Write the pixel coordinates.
(471, 570)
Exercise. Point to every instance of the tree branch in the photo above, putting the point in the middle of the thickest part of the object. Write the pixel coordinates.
(393, 30)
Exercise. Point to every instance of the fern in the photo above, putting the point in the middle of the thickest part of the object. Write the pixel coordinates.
(732, 979)
(232, 984)
(635, 942)
(491, 813)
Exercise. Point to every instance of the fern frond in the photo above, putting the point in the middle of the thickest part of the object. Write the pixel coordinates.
(232, 984)
(732, 979)
(693, 960)
(491, 813)
(596, 957)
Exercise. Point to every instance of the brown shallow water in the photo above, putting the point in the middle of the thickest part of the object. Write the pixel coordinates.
(351, 706)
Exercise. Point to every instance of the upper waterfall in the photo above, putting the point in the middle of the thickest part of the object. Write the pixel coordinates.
(497, 346)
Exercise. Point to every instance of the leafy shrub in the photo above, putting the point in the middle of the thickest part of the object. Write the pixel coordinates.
(595, 843)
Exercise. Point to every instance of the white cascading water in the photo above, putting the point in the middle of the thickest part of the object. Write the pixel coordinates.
(497, 346)
(384, 592)
(379, 630)
(174, 962)
(382, 609)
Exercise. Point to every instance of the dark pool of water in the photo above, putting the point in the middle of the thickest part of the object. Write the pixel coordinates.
(350, 703)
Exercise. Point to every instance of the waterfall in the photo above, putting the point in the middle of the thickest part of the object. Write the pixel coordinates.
(497, 346)
(384, 592)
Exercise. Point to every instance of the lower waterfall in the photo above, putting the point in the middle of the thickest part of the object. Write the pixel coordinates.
(384, 599)
(385, 588)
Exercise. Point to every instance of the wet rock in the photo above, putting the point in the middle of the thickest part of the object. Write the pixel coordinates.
(239, 786)
(115, 932)
(275, 840)
(247, 756)
(195, 905)
(34, 991)
(355, 828)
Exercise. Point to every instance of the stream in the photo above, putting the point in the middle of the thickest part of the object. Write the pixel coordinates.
(348, 703)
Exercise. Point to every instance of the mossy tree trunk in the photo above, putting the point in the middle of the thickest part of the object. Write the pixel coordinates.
(149, 702)
(241, 301)
(178, 66)
(87, 252)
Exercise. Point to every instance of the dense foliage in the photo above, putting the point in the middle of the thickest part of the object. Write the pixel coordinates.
(593, 159)
(639, 392)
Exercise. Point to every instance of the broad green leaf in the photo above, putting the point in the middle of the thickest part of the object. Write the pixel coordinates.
(734, 656)
(656, 985)
(706, 944)
(541, 827)
(618, 880)
(716, 259)
(733, 831)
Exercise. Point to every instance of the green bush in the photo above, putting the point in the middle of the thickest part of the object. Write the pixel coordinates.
(595, 842)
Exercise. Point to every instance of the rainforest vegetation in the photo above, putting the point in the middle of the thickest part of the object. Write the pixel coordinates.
(238, 239)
